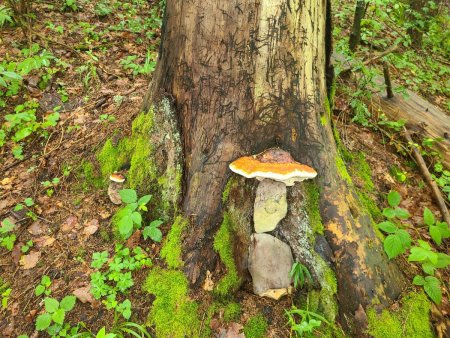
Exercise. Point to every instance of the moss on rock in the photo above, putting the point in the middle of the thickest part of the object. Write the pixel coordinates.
(411, 320)
(173, 313)
(223, 245)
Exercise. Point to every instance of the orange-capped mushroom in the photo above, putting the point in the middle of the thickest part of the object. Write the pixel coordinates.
(275, 164)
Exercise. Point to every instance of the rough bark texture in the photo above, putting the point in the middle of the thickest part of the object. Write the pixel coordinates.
(245, 76)
(355, 35)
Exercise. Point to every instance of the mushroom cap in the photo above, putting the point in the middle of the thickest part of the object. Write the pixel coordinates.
(275, 164)
(116, 177)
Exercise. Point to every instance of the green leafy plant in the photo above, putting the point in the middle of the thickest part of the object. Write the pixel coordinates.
(438, 230)
(442, 178)
(5, 292)
(122, 330)
(308, 320)
(116, 277)
(431, 285)
(152, 231)
(429, 259)
(300, 274)
(55, 312)
(44, 286)
(70, 5)
(398, 240)
(5, 15)
(26, 246)
(148, 67)
(7, 238)
(129, 217)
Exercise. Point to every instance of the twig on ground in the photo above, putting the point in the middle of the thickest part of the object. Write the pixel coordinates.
(427, 176)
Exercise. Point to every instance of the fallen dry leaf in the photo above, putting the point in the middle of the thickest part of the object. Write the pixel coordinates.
(29, 261)
(70, 223)
(36, 228)
(91, 227)
(16, 253)
(44, 241)
(84, 294)
(134, 239)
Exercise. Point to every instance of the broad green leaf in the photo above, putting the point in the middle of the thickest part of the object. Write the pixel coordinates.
(418, 280)
(43, 321)
(51, 304)
(28, 202)
(22, 133)
(128, 195)
(156, 223)
(137, 218)
(58, 316)
(67, 303)
(428, 268)
(433, 289)
(388, 227)
(393, 246)
(401, 213)
(125, 226)
(428, 217)
(144, 199)
(435, 234)
(405, 238)
(389, 213)
(12, 76)
(46, 280)
(39, 290)
(417, 254)
(152, 232)
(443, 227)
(424, 244)
(394, 198)
(443, 260)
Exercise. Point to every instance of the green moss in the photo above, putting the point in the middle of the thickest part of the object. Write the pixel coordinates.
(224, 246)
(226, 192)
(342, 169)
(144, 175)
(312, 206)
(112, 158)
(173, 313)
(256, 327)
(411, 320)
(232, 312)
(171, 250)
(89, 177)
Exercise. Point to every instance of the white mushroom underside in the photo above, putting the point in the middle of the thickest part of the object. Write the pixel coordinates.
(288, 179)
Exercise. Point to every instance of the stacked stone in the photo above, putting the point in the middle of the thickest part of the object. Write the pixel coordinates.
(270, 259)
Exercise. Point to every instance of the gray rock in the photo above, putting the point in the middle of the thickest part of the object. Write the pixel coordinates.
(269, 263)
(270, 205)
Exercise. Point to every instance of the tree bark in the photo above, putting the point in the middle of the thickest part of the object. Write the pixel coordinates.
(245, 76)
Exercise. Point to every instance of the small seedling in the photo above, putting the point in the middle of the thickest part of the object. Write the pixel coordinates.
(44, 286)
(432, 287)
(55, 312)
(130, 216)
(300, 274)
(26, 246)
(7, 239)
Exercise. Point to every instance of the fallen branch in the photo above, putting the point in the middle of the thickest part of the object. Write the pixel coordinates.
(426, 174)
(371, 60)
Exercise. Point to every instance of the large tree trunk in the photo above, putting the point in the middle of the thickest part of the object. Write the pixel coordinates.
(245, 76)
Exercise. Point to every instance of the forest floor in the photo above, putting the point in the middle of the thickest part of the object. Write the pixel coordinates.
(92, 65)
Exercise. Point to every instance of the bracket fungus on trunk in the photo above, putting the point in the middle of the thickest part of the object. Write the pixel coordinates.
(275, 169)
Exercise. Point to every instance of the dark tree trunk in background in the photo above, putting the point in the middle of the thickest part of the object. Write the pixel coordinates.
(245, 76)
(355, 35)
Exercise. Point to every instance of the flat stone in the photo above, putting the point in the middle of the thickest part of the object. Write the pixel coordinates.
(277, 293)
(270, 205)
(270, 261)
